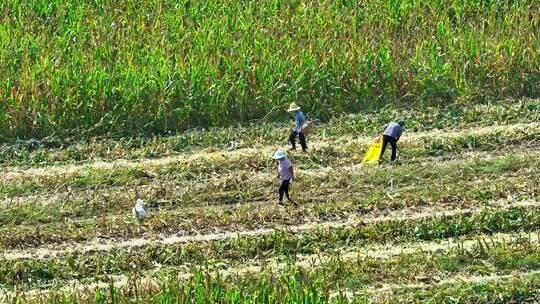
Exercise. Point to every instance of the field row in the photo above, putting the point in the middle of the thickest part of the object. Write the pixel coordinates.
(451, 118)
(376, 268)
(188, 180)
(333, 195)
(417, 214)
(188, 183)
(295, 285)
(429, 143)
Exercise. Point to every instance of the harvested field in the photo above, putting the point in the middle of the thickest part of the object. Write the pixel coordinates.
(458, 213)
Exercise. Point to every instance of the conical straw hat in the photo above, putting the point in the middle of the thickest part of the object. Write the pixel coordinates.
(293, 107)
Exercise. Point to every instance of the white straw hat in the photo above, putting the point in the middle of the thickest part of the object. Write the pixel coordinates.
(279, 155)
(293, 107)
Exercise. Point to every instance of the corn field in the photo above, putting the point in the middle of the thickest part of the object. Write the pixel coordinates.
(176, 107)
(122, 67)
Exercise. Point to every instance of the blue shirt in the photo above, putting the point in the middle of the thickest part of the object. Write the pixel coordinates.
(393, 130)
(299, 116)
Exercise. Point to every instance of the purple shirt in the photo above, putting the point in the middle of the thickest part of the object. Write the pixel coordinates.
(285, 169)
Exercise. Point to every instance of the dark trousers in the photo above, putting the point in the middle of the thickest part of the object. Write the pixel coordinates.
(284, 189)
(393, 142)
(292, 138)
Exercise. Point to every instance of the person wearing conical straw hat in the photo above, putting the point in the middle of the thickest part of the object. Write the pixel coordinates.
(297, 130)
(285, 174)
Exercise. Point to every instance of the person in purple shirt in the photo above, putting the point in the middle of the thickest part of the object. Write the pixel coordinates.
(299, 117)
(391, 134)
(285, 174)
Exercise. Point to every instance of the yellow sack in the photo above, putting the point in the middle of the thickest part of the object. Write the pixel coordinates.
(373, 155)
(293, 190)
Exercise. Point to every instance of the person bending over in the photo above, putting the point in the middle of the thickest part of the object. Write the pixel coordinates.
(391, 134)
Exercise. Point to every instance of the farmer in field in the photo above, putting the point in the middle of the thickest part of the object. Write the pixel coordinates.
(286, 175)
(297, 130)
(391, 134)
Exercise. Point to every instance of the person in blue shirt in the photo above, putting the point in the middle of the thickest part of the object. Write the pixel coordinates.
(391, 134)
(297, 131)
